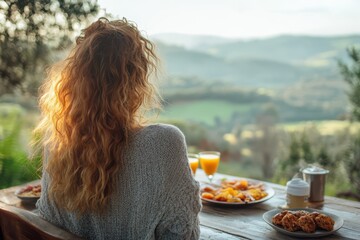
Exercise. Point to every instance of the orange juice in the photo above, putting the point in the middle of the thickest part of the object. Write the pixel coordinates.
(209, 163)
(193, 162)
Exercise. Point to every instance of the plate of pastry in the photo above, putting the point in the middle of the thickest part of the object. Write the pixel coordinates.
(30, 193)
(236, 192)
(303, 222)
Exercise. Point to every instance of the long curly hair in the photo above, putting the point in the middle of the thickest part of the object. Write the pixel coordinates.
(91, 103)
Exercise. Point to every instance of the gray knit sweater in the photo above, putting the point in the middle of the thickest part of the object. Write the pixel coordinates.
(156, 196)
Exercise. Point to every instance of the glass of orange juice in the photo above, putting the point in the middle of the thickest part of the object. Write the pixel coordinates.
(209, 162)
(193, 161)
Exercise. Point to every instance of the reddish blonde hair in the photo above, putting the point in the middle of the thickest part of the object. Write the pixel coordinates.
(91, 103)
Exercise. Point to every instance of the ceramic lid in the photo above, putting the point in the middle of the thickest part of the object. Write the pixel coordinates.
(297, 187)
(315, 170)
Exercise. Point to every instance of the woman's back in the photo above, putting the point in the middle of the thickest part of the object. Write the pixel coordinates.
(106, 175)
(155, 194)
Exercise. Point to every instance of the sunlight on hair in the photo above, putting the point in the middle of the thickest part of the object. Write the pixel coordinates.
(92, 103)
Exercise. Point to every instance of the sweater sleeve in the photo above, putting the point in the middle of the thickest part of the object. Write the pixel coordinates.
(180, 216)
(180, 219)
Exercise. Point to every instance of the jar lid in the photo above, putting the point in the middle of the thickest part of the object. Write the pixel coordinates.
(315, 170)
(297, 187)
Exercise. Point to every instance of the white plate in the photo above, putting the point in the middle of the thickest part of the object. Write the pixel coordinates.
(268, 190)
(318, 233)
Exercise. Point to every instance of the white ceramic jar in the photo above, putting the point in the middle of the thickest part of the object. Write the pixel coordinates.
(297, 193)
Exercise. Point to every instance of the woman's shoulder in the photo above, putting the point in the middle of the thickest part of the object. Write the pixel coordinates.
(161, 131)
(162, 143)
(162, 137)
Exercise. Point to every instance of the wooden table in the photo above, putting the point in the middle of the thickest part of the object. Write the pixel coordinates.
(8, 197)
(245, 222)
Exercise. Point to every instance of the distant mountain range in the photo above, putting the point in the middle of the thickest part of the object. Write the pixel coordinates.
(190, 41)
(272, 63)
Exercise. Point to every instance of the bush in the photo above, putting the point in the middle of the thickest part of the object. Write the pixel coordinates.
(15, 167)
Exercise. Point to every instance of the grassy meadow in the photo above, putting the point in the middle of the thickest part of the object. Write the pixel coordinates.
(204, 111)
(207, 111)
(328, 127)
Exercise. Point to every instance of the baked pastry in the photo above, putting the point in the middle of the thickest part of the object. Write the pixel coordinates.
(289, 222)
(278, 218)
(314, 215)
(302, 220)
(324, 222)
(300, 213)
(306, 223)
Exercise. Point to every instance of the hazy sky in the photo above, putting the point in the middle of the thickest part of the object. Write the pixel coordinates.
(240, 18)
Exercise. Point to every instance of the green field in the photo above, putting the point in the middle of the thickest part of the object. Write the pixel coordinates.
(204, 111)
(328, 127)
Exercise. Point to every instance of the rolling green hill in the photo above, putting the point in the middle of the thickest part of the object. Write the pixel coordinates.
(312, 51)
(298, 50)
(271, 63)
(178, 61)
(300, 71)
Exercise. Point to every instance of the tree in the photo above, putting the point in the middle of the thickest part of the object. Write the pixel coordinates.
(324, 158)
(352, 166)
(290, 163)
(351, 75)
(294, 153)
(29, 30)
(266, 144)
(306, 149)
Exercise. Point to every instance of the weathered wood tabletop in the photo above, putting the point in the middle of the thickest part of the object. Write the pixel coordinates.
(244, 222)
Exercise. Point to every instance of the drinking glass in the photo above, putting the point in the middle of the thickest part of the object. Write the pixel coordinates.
(193, 161)
(209, 162)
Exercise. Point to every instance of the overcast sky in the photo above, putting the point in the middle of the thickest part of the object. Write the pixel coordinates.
(240, 18)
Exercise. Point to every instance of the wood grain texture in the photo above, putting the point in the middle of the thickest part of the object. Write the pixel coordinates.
(247, 222)
(17, 223)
